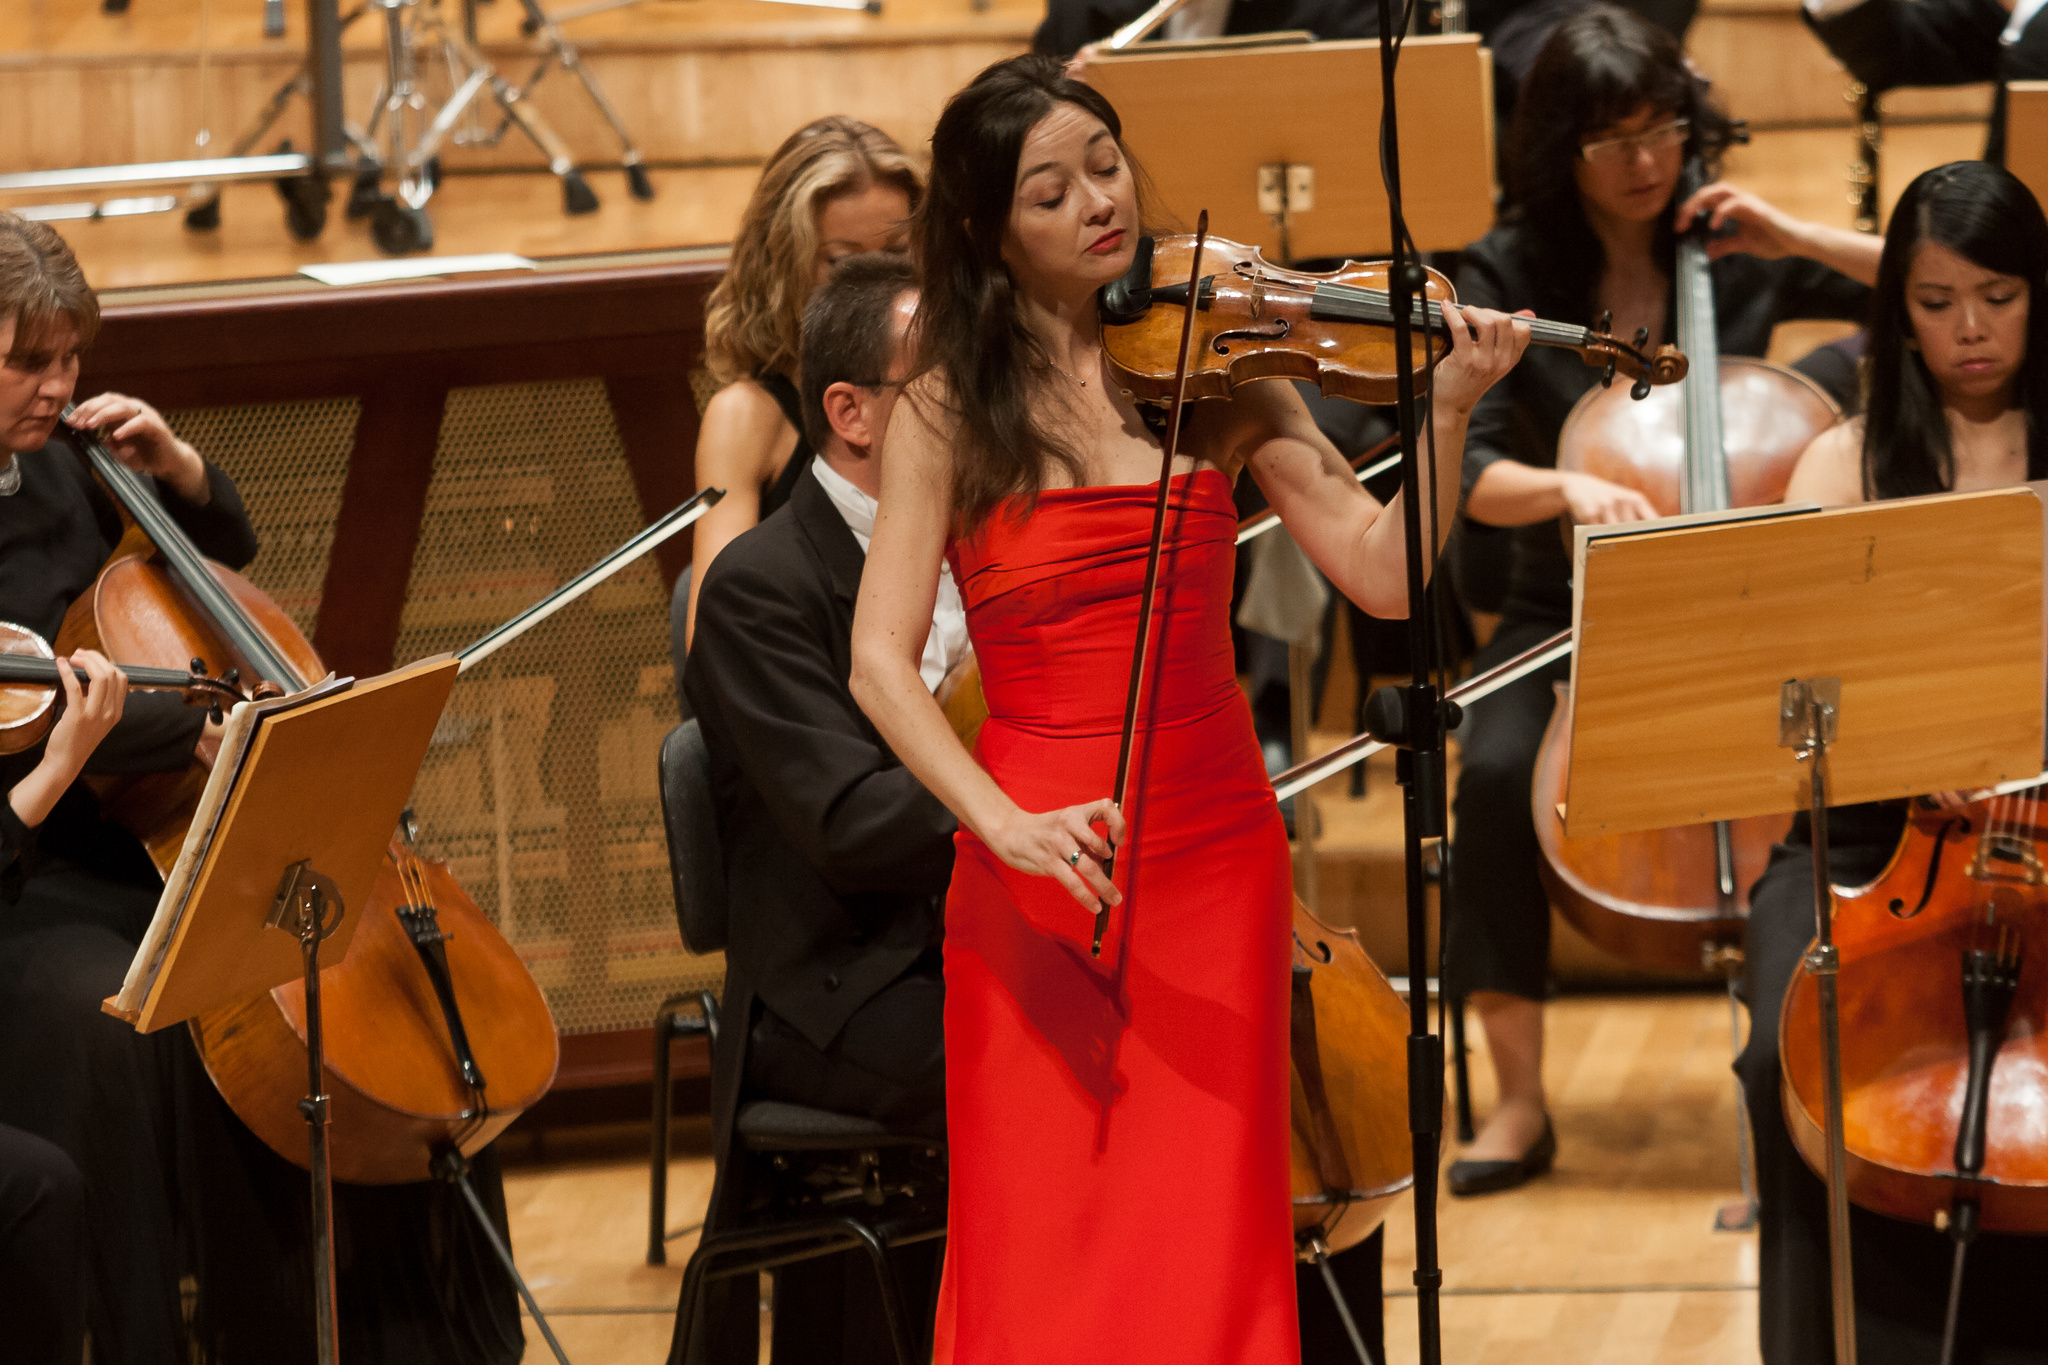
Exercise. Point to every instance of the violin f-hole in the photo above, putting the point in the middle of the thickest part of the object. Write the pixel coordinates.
(1279, 329)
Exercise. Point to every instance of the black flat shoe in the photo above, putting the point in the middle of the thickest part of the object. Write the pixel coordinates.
(1487, 1177)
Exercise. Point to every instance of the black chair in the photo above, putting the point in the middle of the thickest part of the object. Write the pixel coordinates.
(811, 1182)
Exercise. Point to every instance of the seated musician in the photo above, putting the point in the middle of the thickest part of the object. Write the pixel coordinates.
(1957, 375)
(835, 188)
(174, 1185)
(76, 890)
(837, 857)
(1607, 119)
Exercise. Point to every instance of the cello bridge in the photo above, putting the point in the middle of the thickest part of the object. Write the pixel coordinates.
(2009, 858)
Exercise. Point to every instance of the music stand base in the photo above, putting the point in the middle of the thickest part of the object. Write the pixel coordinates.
(452, 1166)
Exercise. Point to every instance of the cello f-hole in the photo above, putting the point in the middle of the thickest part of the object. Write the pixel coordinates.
(1933, 871)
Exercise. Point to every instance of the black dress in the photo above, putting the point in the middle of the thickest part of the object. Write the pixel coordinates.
(175, 1185)
(777, 490)
(1498, 932)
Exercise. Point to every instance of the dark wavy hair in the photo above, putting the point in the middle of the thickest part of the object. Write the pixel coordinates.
(1598, 67)
(969, 331)
(1984, 214)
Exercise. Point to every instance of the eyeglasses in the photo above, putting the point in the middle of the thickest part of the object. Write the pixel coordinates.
(1615, 151)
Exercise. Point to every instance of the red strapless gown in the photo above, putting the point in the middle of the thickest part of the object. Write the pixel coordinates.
(1119, 1126)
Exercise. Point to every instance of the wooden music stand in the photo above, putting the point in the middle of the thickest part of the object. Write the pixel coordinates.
(1894, 647)
(2026, 134)
(1162, 94)
(291, 830)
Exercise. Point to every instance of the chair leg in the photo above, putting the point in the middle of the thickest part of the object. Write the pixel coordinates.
(657, 1176)
(885, 1280)
(690, 1303)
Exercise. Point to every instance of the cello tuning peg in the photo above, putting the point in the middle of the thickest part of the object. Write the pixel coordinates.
(1606, 322)
(198, 667)
(1642, 337)
(1639, 390)
(1607, 376)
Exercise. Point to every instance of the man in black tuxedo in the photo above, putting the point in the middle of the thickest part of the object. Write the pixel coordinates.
(837, 858)
(1890, 43)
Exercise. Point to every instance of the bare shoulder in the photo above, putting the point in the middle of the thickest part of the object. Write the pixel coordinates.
(924, 429)
(1830, 469)
(743, 432)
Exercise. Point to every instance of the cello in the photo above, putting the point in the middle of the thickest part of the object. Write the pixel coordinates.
(408, 1077)
(1727, 436)
(1943, 1006)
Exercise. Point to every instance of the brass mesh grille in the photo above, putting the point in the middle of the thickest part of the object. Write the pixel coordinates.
(288, 460)
(541, 788)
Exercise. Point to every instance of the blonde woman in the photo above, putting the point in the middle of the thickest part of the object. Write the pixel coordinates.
(836, 188)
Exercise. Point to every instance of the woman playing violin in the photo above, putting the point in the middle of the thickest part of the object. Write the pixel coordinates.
(1956, 377)
(1118, 1126)
(1603, 127)
(834, 189)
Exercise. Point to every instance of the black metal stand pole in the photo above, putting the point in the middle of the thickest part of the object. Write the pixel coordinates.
(308, 905)
(1421, 761)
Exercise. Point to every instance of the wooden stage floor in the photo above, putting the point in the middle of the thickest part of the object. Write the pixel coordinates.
(1610, 1260)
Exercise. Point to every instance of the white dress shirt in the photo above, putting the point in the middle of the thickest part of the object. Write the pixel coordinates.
(947, 643)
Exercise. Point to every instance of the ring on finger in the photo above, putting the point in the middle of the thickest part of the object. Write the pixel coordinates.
(1074, 858)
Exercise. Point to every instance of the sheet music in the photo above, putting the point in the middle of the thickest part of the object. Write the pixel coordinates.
(236, 736)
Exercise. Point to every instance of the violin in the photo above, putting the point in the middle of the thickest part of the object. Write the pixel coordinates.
(1944, 1007)
(1727, 436)
(431, 1002)
(1256, 320)
(30, 687)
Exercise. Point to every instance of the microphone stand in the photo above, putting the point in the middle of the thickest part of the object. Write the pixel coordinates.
(1414, 719)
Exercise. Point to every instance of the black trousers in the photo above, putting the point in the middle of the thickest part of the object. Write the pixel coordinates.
(1497, 931)
(42, 1252)
(1902, 1270)
(887, 1064)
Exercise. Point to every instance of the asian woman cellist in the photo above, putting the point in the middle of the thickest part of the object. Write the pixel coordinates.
(1956, 393)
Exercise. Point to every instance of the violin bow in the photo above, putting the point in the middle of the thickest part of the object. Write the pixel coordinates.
(1169, 448)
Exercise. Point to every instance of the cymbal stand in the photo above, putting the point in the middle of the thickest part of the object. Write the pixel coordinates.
(399, 222)
(305, 197)
(557, 49)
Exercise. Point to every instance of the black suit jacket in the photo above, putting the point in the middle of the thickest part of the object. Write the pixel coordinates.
(837, 858)
(1890, 43)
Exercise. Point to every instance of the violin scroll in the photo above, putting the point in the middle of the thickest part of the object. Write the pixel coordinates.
(1602, 350)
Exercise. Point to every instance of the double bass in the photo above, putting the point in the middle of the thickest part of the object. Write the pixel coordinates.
(1727, 436)
(436, 1035)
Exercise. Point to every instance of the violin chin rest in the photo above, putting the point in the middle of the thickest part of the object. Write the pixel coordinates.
(1125, 299)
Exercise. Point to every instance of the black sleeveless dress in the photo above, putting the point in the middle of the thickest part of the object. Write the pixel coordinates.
(777, 490)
